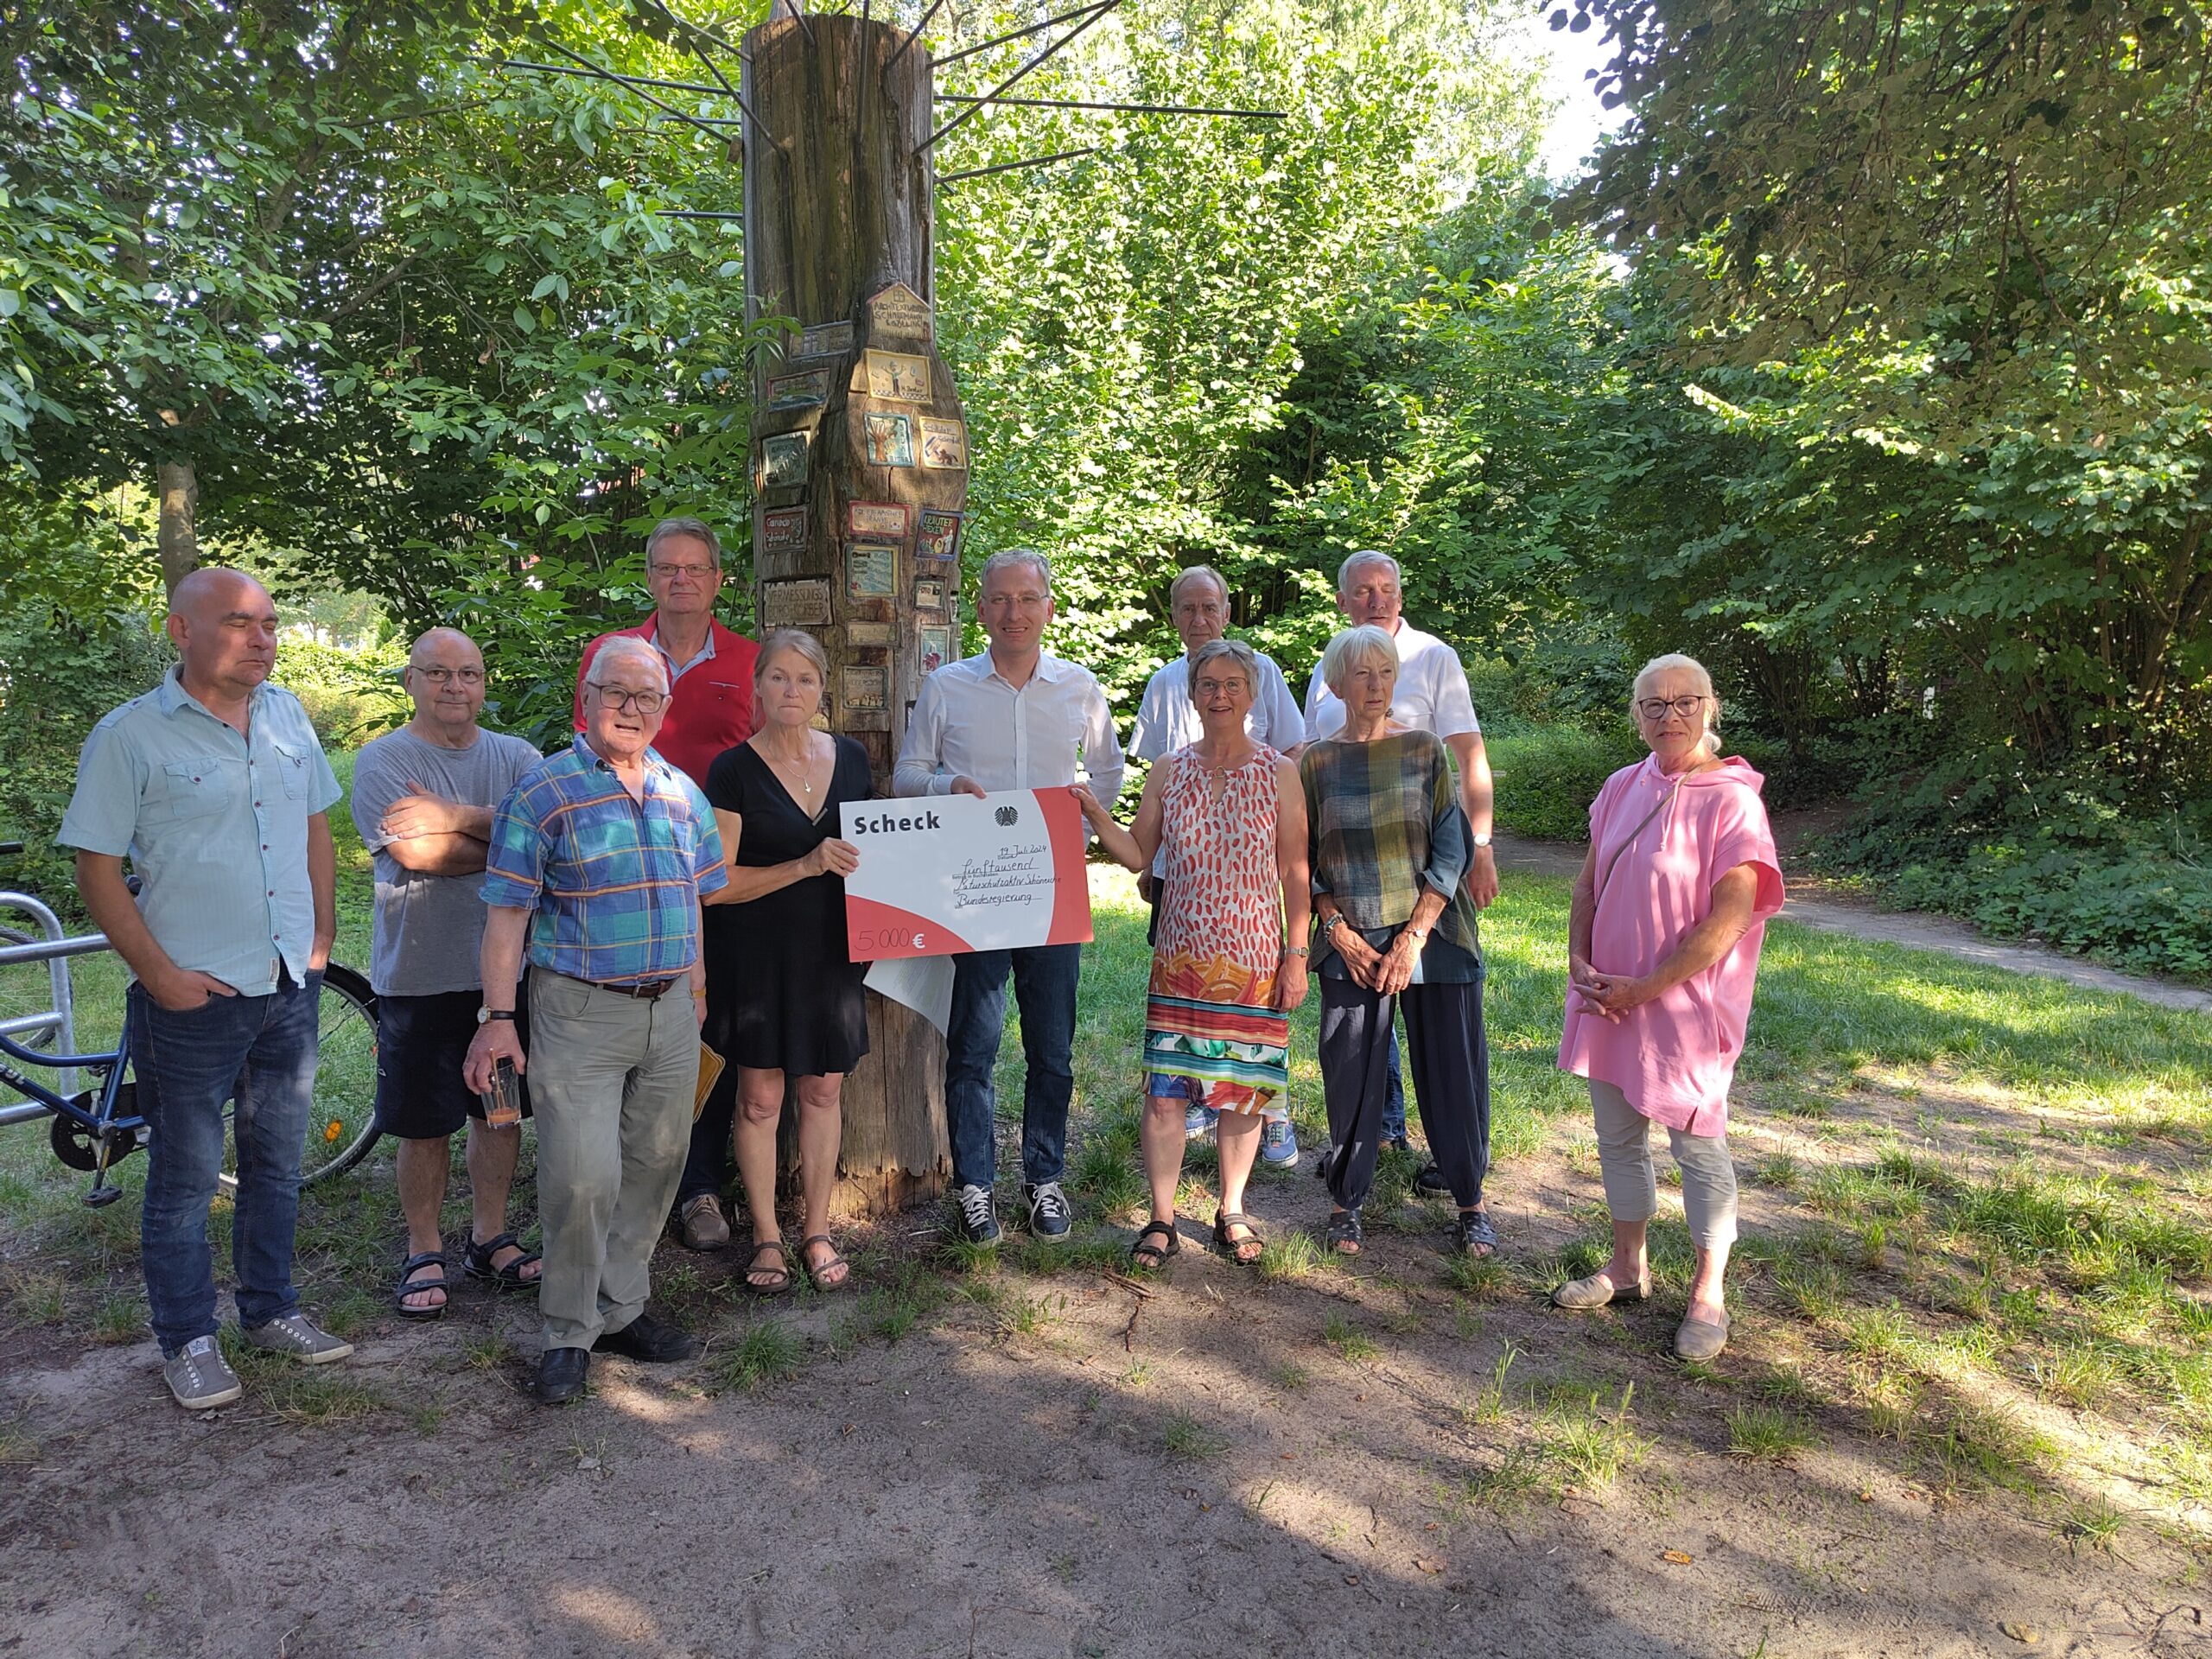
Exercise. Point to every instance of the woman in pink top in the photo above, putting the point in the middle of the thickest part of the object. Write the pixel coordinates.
(1663, 949)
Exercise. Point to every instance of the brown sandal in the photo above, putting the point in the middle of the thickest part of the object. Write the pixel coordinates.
(816, 1269)
(783, 1282)
(1234, 1249)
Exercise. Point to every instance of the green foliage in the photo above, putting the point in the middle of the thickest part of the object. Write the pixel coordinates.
(350, 695)
(60, 671)
(1546, 780)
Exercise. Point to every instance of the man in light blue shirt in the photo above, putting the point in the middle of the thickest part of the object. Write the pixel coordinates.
(214, 785)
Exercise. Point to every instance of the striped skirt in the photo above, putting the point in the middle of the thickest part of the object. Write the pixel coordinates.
(1209, 1019)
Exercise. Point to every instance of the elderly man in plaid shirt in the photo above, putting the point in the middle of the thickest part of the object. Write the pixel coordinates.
(598, 859)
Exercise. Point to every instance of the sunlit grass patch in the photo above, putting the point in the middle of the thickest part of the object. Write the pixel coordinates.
(1592, 1442)
(765, 1352)
(1767, 1435)
(1353, 1344)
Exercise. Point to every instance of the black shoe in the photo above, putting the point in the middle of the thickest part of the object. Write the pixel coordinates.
(979, 1219)
(1049, 1215)
(1431, 1184)
(654, 1341)
(561, 1373)
(1397, 1142)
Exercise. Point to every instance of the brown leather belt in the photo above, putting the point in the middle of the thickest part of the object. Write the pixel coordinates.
(646, 993)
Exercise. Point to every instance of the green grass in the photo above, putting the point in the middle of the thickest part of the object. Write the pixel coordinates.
(1767, 1435)
(764, 1353)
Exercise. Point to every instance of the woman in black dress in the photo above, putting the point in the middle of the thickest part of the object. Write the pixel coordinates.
(787, 1000)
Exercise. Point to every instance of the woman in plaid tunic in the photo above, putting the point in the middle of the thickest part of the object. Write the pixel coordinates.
(1226, 819)
(1390, 843)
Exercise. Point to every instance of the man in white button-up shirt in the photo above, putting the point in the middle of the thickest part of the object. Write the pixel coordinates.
(1432, 696)
(1012, 718)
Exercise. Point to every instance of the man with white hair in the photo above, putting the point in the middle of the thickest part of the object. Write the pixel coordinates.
(1432, 696)
(1167, 719)
(1011, 717)
(597, 861)
(709, 670)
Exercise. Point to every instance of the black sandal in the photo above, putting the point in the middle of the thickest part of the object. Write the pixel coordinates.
(477, 1259)
(1473, 1235)
(752, 1266)
(1152, 1257)
(1234, 1248)
(1343, 1234)
(816, 1269)
(408, 1269)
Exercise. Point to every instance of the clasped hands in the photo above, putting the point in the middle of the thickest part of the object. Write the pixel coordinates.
(1387, 971)
(1607, 995)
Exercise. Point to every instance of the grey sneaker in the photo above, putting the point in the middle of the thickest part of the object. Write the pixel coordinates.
(297, 1335)
(199, 1376)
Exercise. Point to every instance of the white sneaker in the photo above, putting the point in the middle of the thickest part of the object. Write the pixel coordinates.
(199, 1376)
(298, 1336)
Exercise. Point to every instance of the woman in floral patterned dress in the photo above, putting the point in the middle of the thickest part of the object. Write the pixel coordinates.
(1226, 816)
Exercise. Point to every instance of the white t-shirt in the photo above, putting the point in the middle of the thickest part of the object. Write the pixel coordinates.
(1432, 695)
(1167, 719)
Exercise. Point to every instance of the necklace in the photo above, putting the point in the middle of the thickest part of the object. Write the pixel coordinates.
(781, 764)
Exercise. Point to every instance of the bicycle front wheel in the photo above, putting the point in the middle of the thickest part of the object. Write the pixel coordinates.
(341, 1118)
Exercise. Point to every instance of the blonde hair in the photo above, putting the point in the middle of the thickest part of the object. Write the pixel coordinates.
(1364, 643)
(1675, 662)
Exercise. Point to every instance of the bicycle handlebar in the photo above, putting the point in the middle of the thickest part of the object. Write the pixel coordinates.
(10, 848)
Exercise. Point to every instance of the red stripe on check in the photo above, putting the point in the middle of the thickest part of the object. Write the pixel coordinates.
(876, 932)
(1072, 891)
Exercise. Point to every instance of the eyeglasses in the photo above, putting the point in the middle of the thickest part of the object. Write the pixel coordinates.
(688, 572)
(448, 676)
(1656, 707)
(645, 703)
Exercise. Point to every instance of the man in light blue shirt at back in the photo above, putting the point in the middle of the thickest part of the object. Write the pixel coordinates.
(214, 785)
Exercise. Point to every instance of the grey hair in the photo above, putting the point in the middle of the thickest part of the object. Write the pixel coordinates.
(1676, 662)
(698, 529)
(1175, 588)
(1364, 643)
(1237, 651)
(1366, 555)
(1011, 557)
(627, 647)
(797, 640)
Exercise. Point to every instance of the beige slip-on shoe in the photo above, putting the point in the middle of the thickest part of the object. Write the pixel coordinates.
(1699, 1339)
(1598, 1290)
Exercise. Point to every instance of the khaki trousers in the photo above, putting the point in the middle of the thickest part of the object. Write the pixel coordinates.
(611, 1082)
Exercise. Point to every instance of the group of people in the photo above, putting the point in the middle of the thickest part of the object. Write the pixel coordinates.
(568, 936)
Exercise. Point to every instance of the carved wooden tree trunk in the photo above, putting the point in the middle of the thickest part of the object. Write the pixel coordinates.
(860, 460)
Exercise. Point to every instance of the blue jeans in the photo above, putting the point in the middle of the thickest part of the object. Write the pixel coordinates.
(1045, 978)
(260, 1051)
(1394, 1104)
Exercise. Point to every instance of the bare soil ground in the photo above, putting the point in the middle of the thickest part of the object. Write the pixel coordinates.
(1964, 1411)
(1057, 1464)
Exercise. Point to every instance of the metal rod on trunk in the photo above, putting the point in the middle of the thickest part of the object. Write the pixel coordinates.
(1019, 34)
(1090, 104)
(1008, 167)
(596, 74)
(913, 34)
(1042, 58)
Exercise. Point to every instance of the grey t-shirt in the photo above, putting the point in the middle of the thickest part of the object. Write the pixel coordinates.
(428, 927)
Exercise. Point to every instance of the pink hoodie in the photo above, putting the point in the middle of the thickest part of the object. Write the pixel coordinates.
(1674, 1056)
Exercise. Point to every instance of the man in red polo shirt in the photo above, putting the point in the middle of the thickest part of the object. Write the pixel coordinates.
(709, 709)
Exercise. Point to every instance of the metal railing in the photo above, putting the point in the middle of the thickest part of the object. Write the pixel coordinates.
(59, 1022)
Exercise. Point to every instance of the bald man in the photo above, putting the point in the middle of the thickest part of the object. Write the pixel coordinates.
(215, 787)
(422, 800)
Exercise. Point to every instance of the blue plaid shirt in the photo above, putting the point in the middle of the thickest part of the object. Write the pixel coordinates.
(615, 883)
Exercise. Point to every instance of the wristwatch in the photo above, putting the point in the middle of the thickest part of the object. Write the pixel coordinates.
(484, 1016)
(1482, 839)
(1330, 923)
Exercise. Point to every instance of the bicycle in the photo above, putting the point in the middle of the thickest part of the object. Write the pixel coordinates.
(95, 1128)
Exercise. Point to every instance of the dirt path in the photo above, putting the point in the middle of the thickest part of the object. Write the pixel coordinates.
(1062, 1468)
(1911, 928)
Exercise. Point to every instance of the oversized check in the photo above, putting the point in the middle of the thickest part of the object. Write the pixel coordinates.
(940, 875)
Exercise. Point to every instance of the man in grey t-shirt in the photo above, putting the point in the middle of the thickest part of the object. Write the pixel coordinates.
(422, 800)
